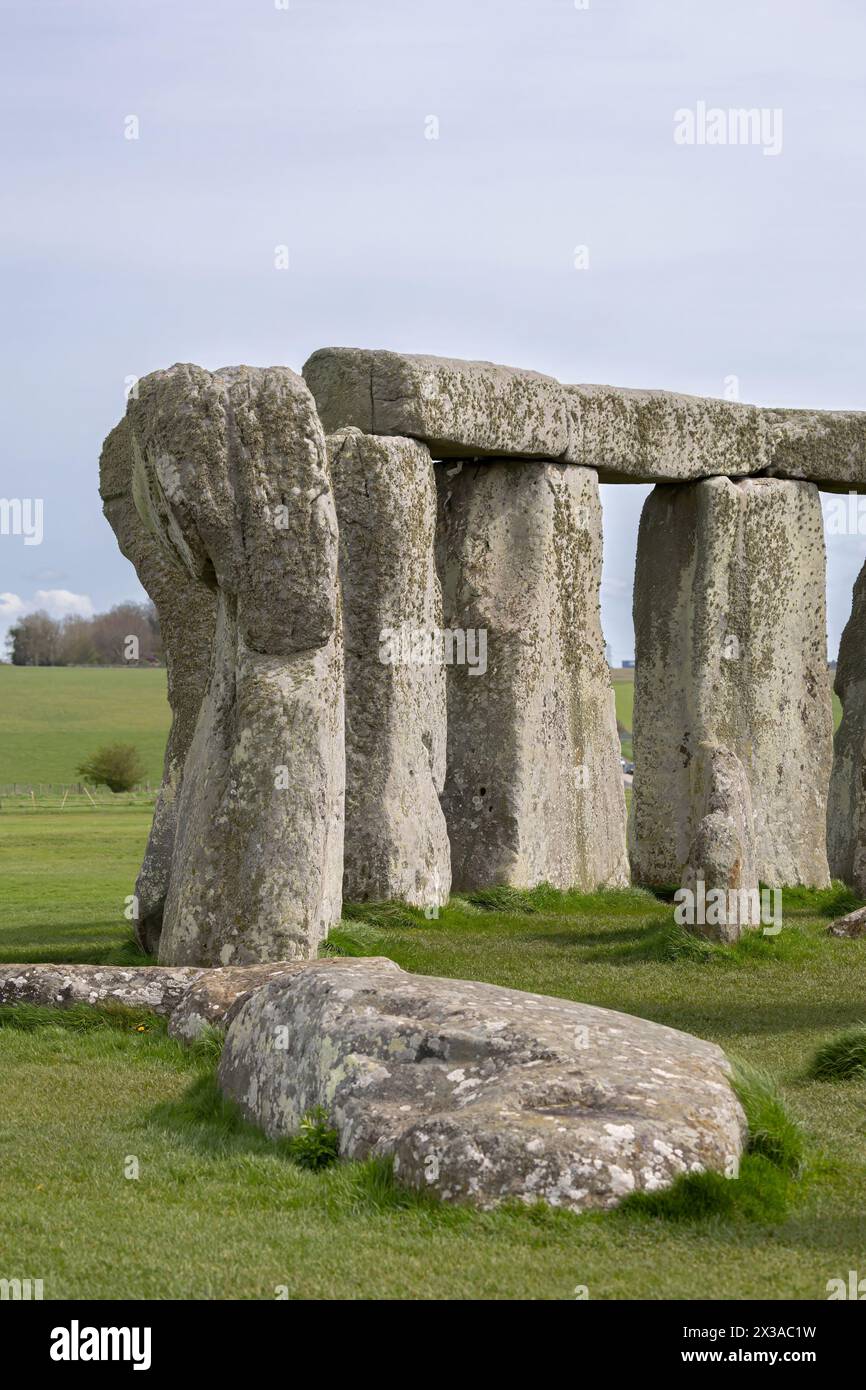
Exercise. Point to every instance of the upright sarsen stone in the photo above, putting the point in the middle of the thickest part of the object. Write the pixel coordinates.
(186, 607)
(230, 475)
(730, 634)
(846, 809)
(533, 789)
(396, 843)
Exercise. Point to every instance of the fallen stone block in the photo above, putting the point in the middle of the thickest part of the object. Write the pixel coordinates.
(852, 925)
(396, 841)
(159, 989)
(212, 998)
(730, 634)
(533, 790)
(482, 1094)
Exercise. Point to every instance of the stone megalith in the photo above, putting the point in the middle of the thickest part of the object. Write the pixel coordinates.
(230, 474)
(186, 607)
(482, 1094)
(721, 853)
(533, 790)
(846, 808)
(396, 841)
(731, 651)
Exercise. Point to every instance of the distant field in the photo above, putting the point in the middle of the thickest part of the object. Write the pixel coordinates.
(51, 718)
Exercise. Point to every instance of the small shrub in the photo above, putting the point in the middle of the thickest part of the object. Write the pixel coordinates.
(116, 766)
(317, 1143)
(842, 1058)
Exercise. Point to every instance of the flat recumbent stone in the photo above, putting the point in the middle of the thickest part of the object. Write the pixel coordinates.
(480, 1093)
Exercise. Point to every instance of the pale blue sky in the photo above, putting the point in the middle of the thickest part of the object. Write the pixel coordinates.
(306, 127)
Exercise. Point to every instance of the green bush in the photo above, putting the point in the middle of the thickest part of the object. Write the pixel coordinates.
(115, 765)
(316, 1144)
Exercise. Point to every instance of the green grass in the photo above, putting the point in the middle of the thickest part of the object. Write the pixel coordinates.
(842, 1057)
(64, 878)
(51, 718)
(220, 1212)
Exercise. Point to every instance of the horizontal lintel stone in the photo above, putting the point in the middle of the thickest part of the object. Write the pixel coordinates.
(462, 409)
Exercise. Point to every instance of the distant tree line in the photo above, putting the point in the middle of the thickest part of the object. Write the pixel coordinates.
(126, 635)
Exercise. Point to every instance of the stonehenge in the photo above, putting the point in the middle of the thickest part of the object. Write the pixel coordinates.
(533, 789)
(846, 820)
(229, 474)
(396, 840)
(378, 588)
(730, 653)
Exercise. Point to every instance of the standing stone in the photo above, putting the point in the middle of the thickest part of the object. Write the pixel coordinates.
(186, 608)
(846, 810)
(533, 791)
(230, 474)
(721, 854)
(730, 633)
(396, 843)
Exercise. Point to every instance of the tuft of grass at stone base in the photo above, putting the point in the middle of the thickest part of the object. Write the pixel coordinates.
(842, 1058)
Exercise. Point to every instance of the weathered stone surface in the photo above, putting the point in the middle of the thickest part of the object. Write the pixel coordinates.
(852, 925)
(721, 854)
(186, 607)
(846, 806)
(730, 632)
(230, 474)
(457, 408)
(396, 842)
(533, 790)
(157, 988)
(479, 1093)
(827, 447)
(644, 436)
(477, 409)
(215, 995)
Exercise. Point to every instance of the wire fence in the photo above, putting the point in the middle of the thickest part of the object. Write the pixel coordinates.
(70, 796)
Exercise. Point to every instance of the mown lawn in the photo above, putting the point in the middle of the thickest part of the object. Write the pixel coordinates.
(51, 718)
(218, 1212)
(64, 878)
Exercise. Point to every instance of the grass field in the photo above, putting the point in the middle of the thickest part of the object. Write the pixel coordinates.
(217, 1211)
(51, 718)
